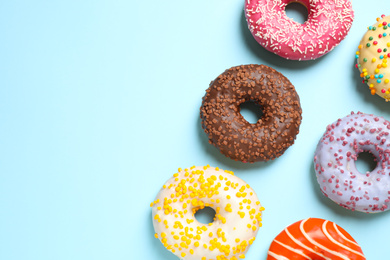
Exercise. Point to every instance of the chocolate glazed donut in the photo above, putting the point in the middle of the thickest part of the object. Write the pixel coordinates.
(235, 137)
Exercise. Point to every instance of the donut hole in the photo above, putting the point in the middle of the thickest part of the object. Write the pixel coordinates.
(297, 11)
(205, 215)
(251, 111)
(365, 162)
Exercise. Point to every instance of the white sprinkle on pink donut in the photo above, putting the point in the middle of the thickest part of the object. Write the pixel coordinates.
(328, 23)
(335, 157)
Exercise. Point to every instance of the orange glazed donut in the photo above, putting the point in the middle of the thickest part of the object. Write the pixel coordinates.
(315, 239)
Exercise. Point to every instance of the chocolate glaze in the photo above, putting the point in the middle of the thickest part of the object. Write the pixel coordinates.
(235, 137)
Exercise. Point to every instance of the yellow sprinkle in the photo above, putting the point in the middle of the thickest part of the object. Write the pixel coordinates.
(386, 81)
(156, 235)
(373, 59)
(228, 208)
(242, 256)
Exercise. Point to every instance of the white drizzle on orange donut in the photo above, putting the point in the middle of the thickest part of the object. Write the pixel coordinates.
(317, 239)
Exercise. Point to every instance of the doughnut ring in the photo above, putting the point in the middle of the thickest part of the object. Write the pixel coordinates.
(235, 137)
(236, 223)
(372, 55)
(328, 23)
(314, 238)
(335, 157)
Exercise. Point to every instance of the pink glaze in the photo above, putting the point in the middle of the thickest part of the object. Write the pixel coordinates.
(335, 157)
(328, 23)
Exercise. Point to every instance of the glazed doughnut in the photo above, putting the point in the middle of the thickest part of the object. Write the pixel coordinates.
(235, 137)
(237, 219)
(372, 54)
(335, 157)
(315, 239)
(328, 23)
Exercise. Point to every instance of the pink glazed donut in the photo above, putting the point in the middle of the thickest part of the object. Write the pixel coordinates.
(335, 157)
(328, 23)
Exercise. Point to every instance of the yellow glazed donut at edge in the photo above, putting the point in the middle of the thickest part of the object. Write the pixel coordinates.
(236, 223)
(372, 55)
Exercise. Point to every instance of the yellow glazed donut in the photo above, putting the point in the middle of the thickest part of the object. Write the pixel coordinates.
(237, 219)
(372, 55)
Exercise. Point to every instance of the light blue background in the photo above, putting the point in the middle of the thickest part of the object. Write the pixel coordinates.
(99, 105)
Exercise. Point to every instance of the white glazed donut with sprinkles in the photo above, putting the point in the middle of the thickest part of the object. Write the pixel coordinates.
(236, 223)
(328, 23)
(372, 55)
(335, 157)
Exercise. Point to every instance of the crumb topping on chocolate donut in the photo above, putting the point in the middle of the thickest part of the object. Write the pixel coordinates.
(235, 137)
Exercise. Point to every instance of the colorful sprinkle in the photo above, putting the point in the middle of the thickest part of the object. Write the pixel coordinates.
(373, 73)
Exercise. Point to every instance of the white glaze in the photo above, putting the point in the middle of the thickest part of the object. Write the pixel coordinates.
(235, 231)
(314, 239)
